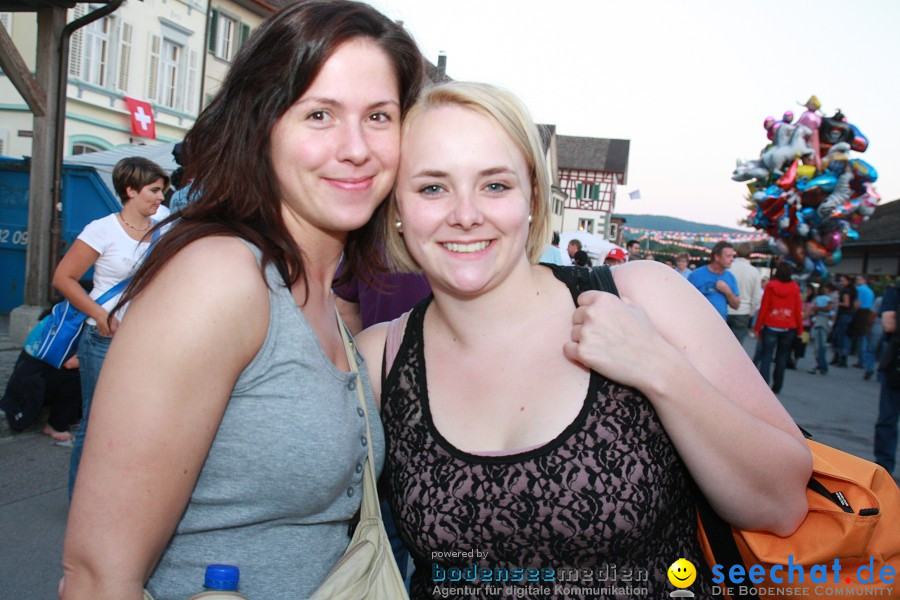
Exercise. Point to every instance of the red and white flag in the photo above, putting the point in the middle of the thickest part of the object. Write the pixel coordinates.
(142, 121)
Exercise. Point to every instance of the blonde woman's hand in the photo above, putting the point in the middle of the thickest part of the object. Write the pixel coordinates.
(615, 337)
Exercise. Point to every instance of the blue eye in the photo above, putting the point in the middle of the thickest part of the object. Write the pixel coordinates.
(430, 190)
(496, 187)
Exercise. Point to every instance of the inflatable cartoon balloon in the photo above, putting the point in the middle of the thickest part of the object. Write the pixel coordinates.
(808, 191)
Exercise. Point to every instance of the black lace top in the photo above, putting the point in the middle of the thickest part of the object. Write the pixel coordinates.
(604, 508)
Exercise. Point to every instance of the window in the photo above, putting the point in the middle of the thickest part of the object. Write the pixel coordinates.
(226, 35)
(173, 74)
(6, 21)
(586, 225)
(587, 191)
(100, 52)
(96, 51)
(4, 142)
(225, 41)
(613, 231)
(84, 148)
(124, 56)
(168, 71)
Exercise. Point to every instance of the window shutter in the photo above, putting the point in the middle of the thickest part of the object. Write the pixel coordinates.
(578, 191)
(76, 43)
(124, 56)
(190, 101)
(245, 33)
(153, 75)
(595, 192)
(213, 29)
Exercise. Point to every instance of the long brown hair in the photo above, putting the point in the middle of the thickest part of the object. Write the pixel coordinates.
(234, 189)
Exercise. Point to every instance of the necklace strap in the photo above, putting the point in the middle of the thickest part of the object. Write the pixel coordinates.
(149, 225)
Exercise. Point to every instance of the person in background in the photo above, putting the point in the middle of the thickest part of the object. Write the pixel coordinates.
(573, 246)
(614, 257)
(183, 195)
(682, 260)
(634, 249)
(889, 400)
(780, 321)
(750, 292)
(114, 246)
(235, 420)
(588, 426)
(553, 254)
(802, 341)
(846, 308)
(35, 384)
(862, 327)
(581, 259)
(822, 314)
(715, 281)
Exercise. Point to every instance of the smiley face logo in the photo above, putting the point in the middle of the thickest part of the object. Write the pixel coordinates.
(682, 573)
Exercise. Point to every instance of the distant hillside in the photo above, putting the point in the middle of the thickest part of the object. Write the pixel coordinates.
(663, 223)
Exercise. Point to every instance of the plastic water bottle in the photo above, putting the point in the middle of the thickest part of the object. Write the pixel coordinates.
(221, 584)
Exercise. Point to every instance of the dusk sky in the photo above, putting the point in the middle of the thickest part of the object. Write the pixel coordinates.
(689, 83)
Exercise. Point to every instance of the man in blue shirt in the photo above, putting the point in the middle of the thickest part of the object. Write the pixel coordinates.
(715, 282)
(862, 326)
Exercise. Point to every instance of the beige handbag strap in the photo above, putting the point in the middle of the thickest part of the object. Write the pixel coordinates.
(369, 505)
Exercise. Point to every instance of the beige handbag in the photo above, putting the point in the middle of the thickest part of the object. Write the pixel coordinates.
(367, 569)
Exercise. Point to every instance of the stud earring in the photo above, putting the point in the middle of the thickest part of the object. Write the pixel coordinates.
(530, 218)
(398, 224)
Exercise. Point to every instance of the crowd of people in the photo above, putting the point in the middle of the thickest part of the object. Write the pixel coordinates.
(316, 175)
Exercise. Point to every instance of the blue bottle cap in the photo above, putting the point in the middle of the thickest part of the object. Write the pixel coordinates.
(222, 577)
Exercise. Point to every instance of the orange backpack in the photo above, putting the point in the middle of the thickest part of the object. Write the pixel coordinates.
(853, 523)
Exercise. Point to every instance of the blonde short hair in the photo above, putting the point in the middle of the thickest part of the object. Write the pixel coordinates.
(507, 111)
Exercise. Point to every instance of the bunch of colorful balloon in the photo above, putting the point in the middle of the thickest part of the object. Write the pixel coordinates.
(808, 193)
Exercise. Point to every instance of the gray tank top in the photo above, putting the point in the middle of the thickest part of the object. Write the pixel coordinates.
(283, 477)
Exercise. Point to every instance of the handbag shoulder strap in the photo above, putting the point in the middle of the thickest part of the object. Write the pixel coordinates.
(124, 283)
(369, 503)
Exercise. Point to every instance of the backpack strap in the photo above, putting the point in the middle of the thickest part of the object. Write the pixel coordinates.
(601, 279)
(392, 341)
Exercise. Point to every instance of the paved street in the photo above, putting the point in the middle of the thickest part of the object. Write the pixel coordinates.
(839, 409)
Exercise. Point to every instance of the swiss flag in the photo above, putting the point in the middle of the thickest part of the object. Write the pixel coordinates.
(142, 121)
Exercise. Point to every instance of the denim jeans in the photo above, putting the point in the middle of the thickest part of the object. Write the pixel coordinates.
(886, 425)
(92, 348)
(740, 326)
(820, 334)
(779, 343)
(841, 336)
(867, 350)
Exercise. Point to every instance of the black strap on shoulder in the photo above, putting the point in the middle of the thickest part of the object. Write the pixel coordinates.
(602, 280)
(721, 541)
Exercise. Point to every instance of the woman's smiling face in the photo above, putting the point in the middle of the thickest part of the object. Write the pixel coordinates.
(335, 151)
(463, 196)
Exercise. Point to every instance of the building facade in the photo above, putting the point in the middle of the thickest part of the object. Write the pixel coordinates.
(173, 54)
(590, 171)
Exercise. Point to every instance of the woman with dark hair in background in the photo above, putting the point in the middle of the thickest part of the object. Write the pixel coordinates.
(115, 246)
(779, 322)
(227, 427)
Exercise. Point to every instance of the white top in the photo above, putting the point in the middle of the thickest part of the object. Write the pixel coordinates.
(119, 257)
(749, 284)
